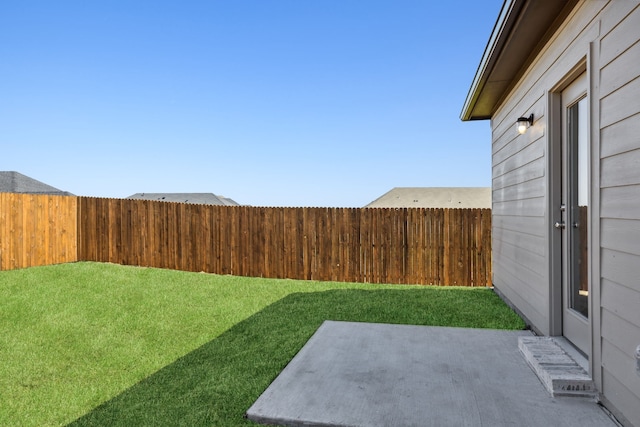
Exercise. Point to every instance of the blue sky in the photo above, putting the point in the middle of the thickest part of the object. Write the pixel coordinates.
(268, 102)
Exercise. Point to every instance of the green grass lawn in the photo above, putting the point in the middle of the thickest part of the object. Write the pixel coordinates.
(101, 344)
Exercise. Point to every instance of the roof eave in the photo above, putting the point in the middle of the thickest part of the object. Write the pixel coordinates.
(488, 57)
(522, 28)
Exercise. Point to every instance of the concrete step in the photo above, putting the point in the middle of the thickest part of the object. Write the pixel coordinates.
(559, 371)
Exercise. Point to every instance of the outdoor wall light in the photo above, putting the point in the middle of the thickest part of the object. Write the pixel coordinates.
(523, 123)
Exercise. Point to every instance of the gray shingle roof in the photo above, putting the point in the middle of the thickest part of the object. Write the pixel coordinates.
(434, 197)
(15, 182)
(195, 198)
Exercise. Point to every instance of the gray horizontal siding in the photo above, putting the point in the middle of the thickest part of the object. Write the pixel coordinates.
(620, 206)
(620, 202)
(529, 303)
(620, 104)
(621, 335)
(532, 225)
(624, 400)
(520, 174)
(522, 241)
(534, 207)
(533, 188)
(620, 137)
(621, 169)
(620, 23)
(531, 273)
(529, 154)
(620, 267)
(622, 235)
(518, 232)
(617, 350)
(519, 236)
(620, 71)
(622, 302)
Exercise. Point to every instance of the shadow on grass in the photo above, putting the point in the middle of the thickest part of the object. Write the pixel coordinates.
(216, 383)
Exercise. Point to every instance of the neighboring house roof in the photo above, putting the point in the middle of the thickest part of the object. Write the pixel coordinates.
(195, 198)
(15, 182)
(434, 197)
(521, 30)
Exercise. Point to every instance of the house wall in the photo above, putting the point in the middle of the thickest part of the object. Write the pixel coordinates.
(620, 206)
(604, 38)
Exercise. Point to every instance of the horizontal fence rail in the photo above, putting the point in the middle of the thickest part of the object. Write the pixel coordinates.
(373, 245)
(37, 230)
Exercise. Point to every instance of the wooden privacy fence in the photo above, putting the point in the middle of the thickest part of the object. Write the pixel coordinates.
(37, 230)
(421, 246)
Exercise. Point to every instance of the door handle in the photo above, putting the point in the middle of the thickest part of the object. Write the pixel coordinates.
(559, 225)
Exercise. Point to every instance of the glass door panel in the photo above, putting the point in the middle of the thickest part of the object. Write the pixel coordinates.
(578, 207)
(574, 209)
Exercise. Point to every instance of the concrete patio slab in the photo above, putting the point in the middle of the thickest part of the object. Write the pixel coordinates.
(362, 374)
